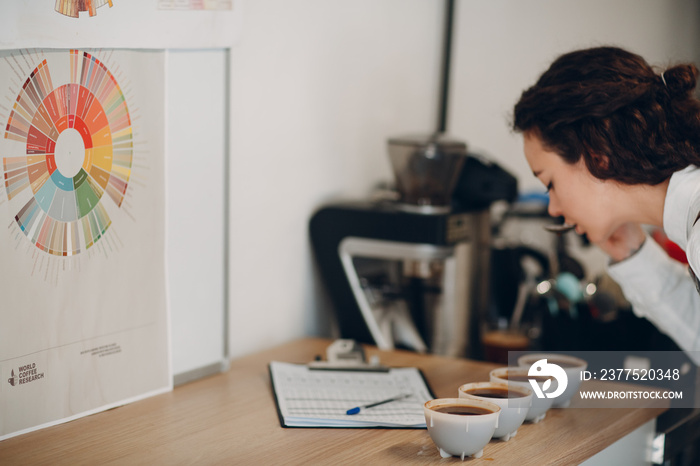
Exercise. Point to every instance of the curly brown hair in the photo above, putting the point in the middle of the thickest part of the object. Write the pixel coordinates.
(610, 107)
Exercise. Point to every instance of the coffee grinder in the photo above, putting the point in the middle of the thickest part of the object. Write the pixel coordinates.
(412, 271)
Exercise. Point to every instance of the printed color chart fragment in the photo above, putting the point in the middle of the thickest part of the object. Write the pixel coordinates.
(78, 146)
(72, 8)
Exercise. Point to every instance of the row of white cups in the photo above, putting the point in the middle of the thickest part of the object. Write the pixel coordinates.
(499, 418)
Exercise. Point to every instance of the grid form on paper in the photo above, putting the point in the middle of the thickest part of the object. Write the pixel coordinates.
(321, 398)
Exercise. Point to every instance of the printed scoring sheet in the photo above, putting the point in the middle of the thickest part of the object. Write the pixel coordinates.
(320, 398)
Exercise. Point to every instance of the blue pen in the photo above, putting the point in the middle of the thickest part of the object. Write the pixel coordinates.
(372, 405)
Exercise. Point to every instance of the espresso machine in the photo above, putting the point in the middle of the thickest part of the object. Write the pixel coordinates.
(409, 270)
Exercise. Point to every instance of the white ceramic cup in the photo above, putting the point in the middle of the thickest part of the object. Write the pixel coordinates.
(540, 406)
(513, 401)
(458, 434)
(572, 366)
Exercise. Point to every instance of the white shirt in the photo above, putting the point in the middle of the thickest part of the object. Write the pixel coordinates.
(660, 288)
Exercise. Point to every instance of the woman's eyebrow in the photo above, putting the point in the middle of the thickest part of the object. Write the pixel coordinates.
(537, 173)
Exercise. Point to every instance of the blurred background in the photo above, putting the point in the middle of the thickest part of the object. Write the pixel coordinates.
(317, 90)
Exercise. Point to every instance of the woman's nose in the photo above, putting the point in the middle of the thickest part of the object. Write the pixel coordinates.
(553, 208)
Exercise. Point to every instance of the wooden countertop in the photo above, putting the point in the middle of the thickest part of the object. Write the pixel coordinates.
(231, 418)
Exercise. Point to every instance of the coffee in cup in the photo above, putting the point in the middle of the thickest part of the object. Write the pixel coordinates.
(513, 401)
(461, 426)
(518, 377)
(572, 367)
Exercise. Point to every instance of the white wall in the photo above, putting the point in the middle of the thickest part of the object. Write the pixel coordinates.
(195, 187)
(503, 46)
(317, 86)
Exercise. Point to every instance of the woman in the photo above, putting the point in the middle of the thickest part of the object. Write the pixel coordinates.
(618, 145)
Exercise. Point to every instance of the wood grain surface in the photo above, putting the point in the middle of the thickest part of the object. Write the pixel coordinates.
(231, 418)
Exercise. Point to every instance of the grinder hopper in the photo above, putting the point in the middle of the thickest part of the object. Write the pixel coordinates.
(426, 170)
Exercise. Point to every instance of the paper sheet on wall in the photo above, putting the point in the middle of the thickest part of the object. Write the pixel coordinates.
(83, 315)
(120, 23)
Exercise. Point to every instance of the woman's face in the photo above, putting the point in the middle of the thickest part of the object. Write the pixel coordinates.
(575, 194)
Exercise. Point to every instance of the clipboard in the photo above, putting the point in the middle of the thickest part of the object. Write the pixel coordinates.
(321, 398)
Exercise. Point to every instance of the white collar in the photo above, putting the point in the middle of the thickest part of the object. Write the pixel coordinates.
(682, 204)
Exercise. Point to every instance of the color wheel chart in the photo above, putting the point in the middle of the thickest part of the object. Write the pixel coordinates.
(68, 156)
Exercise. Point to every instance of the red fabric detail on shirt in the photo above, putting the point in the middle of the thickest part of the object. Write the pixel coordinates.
(671, 248)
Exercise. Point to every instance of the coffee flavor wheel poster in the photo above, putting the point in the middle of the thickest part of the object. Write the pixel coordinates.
(83, 316)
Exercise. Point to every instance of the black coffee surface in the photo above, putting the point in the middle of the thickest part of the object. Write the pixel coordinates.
(462, 410)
